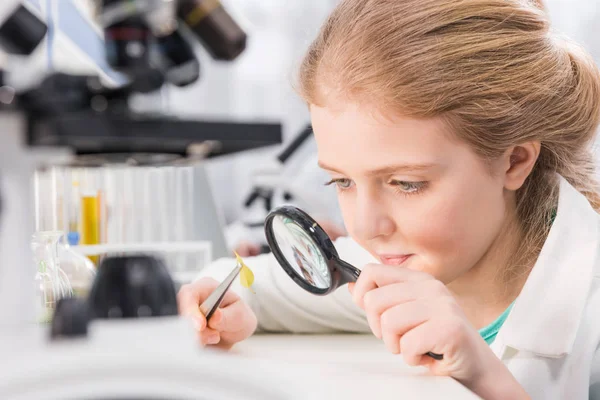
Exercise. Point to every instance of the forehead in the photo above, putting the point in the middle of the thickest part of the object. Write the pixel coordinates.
(359, 136)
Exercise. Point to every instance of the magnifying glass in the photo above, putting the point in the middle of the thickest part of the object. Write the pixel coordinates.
(307, 254)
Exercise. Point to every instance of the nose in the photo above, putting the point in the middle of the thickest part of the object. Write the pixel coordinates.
(372, 218)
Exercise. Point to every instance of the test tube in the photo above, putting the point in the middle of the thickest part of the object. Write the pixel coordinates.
(185, 214)
(45, 198)
(102, 203)
(168, 211)
(130, 213)
(115, 208)
(159, 204)
(74, 210)
(181, 263)
(110, 199)
(90, 212)
(147, 221)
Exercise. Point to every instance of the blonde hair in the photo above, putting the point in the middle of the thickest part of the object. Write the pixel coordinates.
(490, 68)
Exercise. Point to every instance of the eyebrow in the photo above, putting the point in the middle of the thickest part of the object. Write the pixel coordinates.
(387, 169)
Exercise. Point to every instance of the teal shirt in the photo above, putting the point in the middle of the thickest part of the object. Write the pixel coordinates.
(488, 333)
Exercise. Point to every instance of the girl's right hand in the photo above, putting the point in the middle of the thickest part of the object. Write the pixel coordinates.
(233, 321)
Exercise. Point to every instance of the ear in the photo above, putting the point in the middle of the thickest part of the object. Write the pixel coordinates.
(519, 162)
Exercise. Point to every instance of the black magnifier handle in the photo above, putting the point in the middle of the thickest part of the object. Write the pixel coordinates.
(350, 271)
(354, 273)
(435, 356)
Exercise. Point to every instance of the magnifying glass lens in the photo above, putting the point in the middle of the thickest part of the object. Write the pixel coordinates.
(301, 252)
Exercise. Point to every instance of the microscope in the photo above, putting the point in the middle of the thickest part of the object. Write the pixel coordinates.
(290, 178)
(125, 340)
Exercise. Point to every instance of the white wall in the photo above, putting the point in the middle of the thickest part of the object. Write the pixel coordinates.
(578, 19)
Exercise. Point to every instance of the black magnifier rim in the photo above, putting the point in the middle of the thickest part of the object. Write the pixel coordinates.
(317, 234)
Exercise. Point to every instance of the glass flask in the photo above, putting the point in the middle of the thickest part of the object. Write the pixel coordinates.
(80, 270)
(51, 282)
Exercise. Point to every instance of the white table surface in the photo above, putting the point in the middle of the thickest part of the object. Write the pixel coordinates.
(351, 367)
(129, 356)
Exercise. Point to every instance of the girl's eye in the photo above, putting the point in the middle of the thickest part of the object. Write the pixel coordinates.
(341, 183)
(409, 187)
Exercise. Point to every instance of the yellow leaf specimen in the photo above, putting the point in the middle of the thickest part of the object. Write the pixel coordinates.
(246, 274)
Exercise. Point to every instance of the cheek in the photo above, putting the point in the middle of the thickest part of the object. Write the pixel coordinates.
(433, 230)
(452, 235)
(346, 204)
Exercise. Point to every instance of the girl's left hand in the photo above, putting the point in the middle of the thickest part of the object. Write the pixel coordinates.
(415, 314)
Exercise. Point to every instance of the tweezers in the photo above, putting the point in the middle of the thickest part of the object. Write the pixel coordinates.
(210, 305)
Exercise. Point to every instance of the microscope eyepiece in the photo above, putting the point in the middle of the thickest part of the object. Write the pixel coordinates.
(222, 37)
(128, 42)
(127, 45)
(143, 38)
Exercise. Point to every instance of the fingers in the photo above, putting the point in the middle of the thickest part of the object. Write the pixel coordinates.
(234, 318)
(209, 337)
(229, 298)
(377, 275)
(377, 301)
(416, 343)
(398, 320)
(190, 297)
(232, 322)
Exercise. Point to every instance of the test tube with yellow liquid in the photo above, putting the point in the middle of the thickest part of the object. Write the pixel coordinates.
(90, 216)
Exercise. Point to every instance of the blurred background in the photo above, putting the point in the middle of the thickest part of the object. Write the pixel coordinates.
(258, 84)
(197, 213)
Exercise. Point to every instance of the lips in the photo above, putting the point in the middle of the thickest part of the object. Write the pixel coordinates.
(394, 259)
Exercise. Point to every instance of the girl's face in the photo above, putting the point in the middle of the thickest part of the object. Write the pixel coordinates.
(409, 193)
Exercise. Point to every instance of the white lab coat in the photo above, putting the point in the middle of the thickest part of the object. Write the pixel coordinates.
(550, 341)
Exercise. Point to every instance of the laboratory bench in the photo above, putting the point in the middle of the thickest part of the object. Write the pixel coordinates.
(351, 366)
(161, 358)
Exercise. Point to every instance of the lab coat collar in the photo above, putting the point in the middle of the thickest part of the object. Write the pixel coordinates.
(545, 317)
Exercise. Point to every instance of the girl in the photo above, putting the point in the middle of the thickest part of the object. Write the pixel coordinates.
(458, 135)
